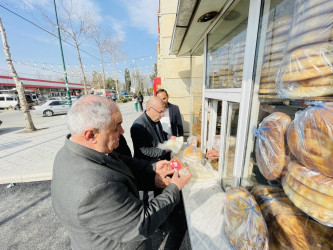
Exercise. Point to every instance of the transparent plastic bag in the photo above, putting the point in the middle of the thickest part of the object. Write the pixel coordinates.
(310, 191)
(310, 138)
(174, 144)
(244, 224)
(288, 226)
(270, 145)
(192, 141)
(306, 69)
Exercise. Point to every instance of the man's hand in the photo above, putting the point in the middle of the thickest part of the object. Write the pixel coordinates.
(181, 181)
(213, 154)
(163, 169)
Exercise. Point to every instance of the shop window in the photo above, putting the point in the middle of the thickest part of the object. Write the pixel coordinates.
(226, 47)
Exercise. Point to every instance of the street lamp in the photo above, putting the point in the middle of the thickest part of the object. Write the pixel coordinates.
(62, 56)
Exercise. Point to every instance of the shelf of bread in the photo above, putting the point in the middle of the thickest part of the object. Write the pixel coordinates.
(298, 55)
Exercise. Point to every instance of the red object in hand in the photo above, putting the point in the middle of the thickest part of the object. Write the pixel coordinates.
(176, 165)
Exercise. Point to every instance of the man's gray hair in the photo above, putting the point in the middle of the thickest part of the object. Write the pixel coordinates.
(90, 112)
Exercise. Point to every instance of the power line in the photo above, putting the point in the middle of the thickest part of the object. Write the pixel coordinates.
(27, 20)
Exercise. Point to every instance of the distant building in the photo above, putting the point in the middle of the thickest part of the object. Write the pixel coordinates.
(43, 87)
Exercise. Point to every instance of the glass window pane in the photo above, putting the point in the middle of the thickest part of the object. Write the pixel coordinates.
(226, 46)
(197, 62)
(230, 144)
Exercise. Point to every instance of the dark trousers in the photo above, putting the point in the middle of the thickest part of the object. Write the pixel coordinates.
(140, 105)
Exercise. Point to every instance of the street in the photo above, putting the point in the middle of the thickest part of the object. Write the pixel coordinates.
(12, 120)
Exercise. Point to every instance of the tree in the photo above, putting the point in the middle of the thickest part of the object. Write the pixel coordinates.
(96, 35)
(113, 48)
(19, 85)
(128, 82)
(154, 73)
(97, 79)
(76, 22)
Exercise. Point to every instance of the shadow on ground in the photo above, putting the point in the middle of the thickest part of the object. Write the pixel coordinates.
(8, 130)
(27, 221)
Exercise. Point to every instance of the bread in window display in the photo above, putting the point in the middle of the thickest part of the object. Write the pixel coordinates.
(310, 178)
(288, 226)
(270, 145)
(276, 41)
(317, 211)
(244, 224)
(310, 138)
(306, 69)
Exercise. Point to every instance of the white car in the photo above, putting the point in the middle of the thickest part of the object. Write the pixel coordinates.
(51, 108)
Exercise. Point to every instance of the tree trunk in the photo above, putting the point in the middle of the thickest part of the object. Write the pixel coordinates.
(19, 86)
(103, 75)
(81, 66)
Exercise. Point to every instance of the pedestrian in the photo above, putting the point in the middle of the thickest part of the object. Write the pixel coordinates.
(171, 121)
(95, 191)
(114, 97)
(136, 102)
(140, 101)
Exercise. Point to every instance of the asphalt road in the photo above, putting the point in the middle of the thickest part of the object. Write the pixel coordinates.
(13, 120)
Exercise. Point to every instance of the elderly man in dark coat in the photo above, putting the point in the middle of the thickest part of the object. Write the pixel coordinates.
(95, 191)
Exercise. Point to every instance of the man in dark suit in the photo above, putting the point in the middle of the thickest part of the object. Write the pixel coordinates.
(147, 133)
(171, 121)
(95, 191)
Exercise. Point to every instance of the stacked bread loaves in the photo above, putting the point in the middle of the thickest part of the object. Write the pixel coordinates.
(306, 69)
(244, 225)
(270, 145)
(276, 41)
(310, 191)
(288, 226)
(310, 138)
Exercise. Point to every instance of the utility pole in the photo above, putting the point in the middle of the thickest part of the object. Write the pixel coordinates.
(62, 56)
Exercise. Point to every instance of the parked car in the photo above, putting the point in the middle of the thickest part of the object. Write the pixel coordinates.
(51, 108)
(8, 101)
(0, 122)
(57, 98)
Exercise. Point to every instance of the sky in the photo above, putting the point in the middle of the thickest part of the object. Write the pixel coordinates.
(36, 53)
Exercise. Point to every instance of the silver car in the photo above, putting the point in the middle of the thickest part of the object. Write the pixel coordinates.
(51, 108)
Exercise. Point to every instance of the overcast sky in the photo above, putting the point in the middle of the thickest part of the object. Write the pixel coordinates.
(32, 49)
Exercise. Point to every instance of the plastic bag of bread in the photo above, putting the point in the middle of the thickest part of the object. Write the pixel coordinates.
(244, 224)
(192, 155)
(306, 69)
(310, 138)
(310, 191)
(174, 144)
(288, 226)
(270, 145)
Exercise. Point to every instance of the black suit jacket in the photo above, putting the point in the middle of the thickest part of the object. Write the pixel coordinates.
(175, 120)
(96, 197)
(145, 140)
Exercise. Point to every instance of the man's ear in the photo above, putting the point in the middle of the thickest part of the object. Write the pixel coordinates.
(89, 135)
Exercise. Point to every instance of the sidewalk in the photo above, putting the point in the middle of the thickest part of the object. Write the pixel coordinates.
(26, 157)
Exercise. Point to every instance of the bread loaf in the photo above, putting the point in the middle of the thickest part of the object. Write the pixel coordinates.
(295, 90)
(288, 226)
(321, 199)
(244, 225)
(310, 138)
(310, 178)
(295, 75)
(270, 145)
(323, 21)
(318, 212)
